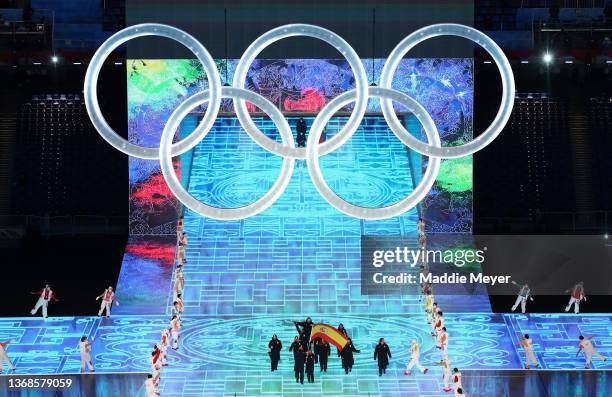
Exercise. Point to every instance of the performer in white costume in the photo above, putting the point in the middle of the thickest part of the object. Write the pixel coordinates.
(165, 342)
(438, 324)
(589, 350)
(182, 247)
(433, 316)
(45, 295)
(85, 349)
(423, 241)
(179, 284)
(445, 363)
(421, 227)
(442, 341)
(108, 297)
(150, 386)
(576, 295)
(429, 301)
(178, 306)
(183, 240)
(179, 271)
(156, 367)
(179, 228)
(175, 326)
(456, 379)
(426, 288)
(415, 353)
(527, 344)
(182, 243)
(4, 357)
(523, 295)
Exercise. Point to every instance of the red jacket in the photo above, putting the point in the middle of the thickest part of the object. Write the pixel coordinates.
(46, 294)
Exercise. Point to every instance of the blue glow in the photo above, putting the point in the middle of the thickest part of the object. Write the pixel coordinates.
(155, 87)
(224, 354)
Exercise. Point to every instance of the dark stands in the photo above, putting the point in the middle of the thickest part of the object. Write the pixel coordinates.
(549, 170)
(65, 221)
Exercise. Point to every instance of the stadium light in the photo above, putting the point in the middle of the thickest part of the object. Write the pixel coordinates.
(548, 58)
(54, 59)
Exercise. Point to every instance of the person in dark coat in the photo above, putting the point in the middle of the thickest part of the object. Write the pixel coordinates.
(303, 340)
(298, 367)
(347, 356)
(295, 346)
(382, 353)
(310, 366)
(306, 327)
(316, 348)
(300, 128)
(342, 330)
(274, 349)
(324, 352)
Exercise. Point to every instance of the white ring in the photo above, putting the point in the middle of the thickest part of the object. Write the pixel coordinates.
(419, 192)
(287, 149)
(165, 157)
(505, 107)
(151, 29)
(359, 73)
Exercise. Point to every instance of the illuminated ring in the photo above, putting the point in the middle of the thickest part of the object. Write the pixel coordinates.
(165, 156)
(359, 73)
(505, 108)
(419, 192)
(151, 29)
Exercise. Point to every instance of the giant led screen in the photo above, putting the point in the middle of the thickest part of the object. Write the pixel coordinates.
(301, 87)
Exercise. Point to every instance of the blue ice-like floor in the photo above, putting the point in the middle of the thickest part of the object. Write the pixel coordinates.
(223, 355)
(301, 255)
(246, 279)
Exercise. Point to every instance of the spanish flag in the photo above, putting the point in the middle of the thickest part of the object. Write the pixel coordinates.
(330, 334)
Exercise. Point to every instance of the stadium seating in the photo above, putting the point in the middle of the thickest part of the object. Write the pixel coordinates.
(535, 145)
(600, 119)
(54, 133)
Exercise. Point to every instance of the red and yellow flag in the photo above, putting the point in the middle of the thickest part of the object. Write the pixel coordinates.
(330, 334)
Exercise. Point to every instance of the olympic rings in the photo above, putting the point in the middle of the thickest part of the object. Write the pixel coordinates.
(505, 107)
(361, 83)
(194, 204)
(419, 192)
(287, 149)
(151, 29)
